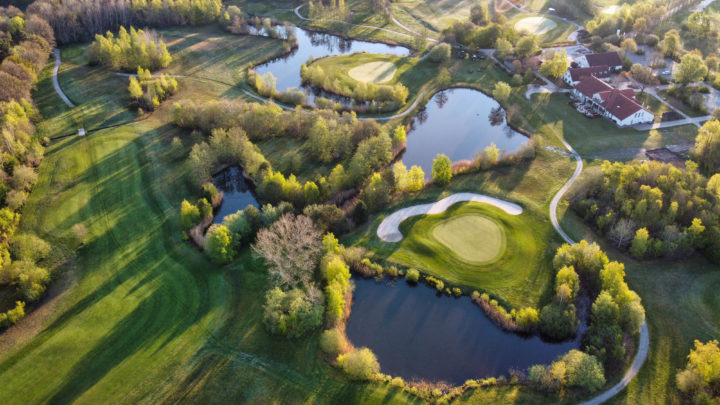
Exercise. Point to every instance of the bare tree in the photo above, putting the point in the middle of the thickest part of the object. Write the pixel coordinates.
(623, 232)
(291, 249)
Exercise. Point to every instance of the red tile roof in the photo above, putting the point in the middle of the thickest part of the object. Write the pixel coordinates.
(607, 59)
(630, 93)
(578, 74)
(620, 105)
(591, 85)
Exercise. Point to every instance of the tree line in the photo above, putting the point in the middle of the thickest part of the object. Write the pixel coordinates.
(128, 51)
(81, 20)
(25, 44)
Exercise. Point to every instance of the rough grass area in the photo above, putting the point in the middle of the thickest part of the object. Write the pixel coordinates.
(373, 72)
(473, 238)
(535, 25)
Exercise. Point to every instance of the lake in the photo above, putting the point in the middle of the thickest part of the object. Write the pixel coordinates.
(459, 123)
(236, 192)
(417, 335)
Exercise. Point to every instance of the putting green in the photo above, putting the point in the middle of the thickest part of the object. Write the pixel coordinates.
(374, 72)
(472, 237)
(535, 25)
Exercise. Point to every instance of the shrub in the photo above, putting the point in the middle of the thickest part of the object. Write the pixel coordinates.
(440, 52)
(360, 364)
(332, 342)
(501, 92)
(29, 247)
(293, 313)
(218, 241)
(527, 318)
(558, 321)
(189, 214)
(456, 292)
(412, 276)
(701, 375)
(442, 170)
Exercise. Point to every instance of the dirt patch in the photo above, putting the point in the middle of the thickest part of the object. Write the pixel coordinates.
(665, 155)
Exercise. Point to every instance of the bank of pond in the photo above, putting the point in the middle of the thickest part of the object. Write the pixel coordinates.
(418, 334)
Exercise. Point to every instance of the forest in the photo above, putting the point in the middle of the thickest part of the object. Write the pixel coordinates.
(25, 45)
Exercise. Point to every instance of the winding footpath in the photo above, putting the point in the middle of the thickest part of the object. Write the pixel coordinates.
(644, 345)
(58, 90)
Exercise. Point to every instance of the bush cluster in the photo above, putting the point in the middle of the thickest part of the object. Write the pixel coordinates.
(148, 91)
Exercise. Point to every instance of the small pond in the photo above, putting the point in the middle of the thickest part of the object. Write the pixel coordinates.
(459, 123)
(417, 335)
(236, 192)
(287, 69)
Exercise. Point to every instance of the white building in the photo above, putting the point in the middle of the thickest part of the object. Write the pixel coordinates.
(619, 106)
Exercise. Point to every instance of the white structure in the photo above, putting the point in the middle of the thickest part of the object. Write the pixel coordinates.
(619, 106)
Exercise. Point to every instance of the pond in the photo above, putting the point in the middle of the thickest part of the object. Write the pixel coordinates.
(459, 123)
(417, 335)
(287, 69)
(236, 192)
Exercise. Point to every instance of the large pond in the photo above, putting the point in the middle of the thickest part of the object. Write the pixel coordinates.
(417, 335)
(287, 69)
(236, 192)
(459, 123)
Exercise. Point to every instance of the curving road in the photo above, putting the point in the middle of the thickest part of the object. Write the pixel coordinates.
(644, 345)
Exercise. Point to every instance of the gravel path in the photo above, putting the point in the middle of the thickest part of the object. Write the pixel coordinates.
(55, 82)
(389, 229)
(58, 90)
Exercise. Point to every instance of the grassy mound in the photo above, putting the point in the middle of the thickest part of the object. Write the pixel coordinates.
(535, 25)
(473, 238)
(374, 72)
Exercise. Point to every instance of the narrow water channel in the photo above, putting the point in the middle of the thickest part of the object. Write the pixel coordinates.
(419, 336)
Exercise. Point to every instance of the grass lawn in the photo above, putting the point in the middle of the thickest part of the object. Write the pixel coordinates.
(473, 238)
(680, 105)
(373, 72)
(433, 16)
(512, 266)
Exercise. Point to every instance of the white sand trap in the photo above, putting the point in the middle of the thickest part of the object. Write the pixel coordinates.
(535, 25)
(374, 72)
(610, 10)
(389, 229)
